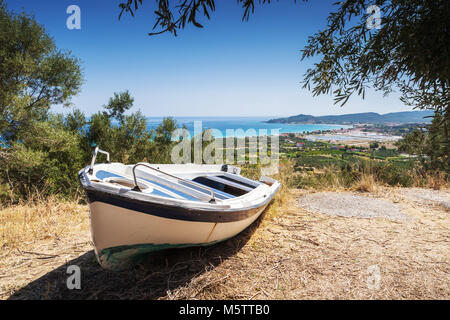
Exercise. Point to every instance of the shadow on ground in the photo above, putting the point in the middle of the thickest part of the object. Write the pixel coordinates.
(150, 279)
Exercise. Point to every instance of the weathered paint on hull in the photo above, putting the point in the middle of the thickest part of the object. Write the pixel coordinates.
(118, 258)
(121, 235)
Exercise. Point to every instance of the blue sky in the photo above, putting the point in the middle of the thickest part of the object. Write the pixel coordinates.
(229, 68)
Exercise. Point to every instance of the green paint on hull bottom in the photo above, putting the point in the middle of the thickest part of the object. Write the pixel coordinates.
(122, 257)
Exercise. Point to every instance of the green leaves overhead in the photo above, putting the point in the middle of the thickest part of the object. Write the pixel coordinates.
(409, 52)
(171, 16)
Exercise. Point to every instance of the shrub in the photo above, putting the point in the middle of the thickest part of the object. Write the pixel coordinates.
(45, 160)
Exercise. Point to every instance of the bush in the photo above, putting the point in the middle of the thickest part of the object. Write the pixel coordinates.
(355, 170)
(45, 160)
(395, 176)
(47, 154)
(6, 195)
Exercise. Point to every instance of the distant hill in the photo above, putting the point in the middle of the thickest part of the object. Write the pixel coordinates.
(367, 117)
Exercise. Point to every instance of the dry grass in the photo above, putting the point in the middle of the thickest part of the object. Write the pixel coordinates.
(366, 183)
(26, 223)
(332, 178)
(37, 236)
(436, 180)
(289, 253)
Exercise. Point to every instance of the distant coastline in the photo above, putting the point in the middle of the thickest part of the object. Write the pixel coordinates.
(359, 118)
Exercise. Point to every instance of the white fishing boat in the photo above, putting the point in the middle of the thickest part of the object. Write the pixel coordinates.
(135, 209)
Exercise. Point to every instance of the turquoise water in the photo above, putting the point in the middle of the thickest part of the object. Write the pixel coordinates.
(250, 126)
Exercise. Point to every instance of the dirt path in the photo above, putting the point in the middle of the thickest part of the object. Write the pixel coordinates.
(300, 254)
(347, 204)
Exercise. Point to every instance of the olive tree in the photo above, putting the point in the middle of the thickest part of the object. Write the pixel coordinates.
(34, 74)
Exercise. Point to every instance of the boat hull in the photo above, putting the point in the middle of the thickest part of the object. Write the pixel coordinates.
(167, 206)
(121, 234)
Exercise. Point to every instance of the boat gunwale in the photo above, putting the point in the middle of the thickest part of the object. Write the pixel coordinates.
(176, 208)
(171, 211)
(261, 191)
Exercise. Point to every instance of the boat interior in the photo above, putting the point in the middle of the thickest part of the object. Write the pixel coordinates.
(191, 185)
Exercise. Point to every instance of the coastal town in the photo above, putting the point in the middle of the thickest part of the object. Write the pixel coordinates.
(360, 135)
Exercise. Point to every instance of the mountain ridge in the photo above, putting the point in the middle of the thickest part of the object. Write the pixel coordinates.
(363, 117)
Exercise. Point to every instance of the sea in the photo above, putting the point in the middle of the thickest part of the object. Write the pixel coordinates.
(240, 127)
(237, 127)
